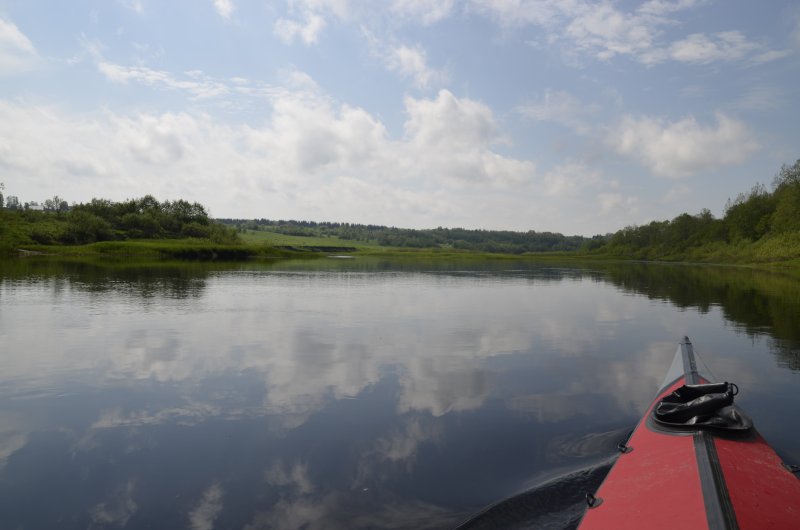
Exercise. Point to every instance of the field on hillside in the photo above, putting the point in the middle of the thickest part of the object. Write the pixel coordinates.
(265, 237)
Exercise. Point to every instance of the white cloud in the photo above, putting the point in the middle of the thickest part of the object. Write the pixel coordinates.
(410, 62)
(208, 509)
(9, 444)
(295, 476)
(312, 157)
(684, 147)
(307, 18)
(196, 83)
(614, 201)
(569, 179)
(762, 97)
(451, 137)
(134, 5)
(307, 30)
(117, 509)
(699, 48)
(225, 8)
(425, 11)
(17, 53)
(665, 7)
(338, 8)
(677, 193)
(560, 107)
(514, 13)
(449, 122)
(603, 30)
(413, 63)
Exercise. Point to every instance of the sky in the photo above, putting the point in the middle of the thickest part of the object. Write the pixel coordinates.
(571, 116)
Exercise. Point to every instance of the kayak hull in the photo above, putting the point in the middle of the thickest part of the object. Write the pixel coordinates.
(696, 480)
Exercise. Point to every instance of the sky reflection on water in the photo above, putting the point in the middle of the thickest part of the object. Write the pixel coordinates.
(314, 398)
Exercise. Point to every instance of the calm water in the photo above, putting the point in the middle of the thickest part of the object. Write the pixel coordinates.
(356, 393)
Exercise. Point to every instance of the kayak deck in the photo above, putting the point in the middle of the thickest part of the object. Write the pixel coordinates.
(694, 479)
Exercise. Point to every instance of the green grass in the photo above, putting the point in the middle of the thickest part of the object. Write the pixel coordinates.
(264, 237)
(192, 249)
(780, 250)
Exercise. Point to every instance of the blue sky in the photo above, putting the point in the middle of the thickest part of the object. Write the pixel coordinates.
(571, 116)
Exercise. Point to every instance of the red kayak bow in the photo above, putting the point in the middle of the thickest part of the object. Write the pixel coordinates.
(695, 461)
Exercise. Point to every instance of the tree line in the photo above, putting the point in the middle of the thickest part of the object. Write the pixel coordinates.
(760, 215)
(757, 215)
(105, 220)
(502, 241)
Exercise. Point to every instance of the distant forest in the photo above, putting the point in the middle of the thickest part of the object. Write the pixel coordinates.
(456, 238)
(758, 226)
(761, 225)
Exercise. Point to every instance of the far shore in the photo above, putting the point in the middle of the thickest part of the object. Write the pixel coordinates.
(203, 250)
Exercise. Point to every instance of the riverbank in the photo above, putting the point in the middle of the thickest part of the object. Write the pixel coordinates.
(754, 255)
(777, 252)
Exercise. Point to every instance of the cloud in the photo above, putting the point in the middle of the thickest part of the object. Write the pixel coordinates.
(516, 13)
(307, 19)
(560, 107)
(207, 510)
(17, 53)
(602, 30)
(666, 7)
(225, 8)
(427, 12)
(699, 48)
(9, 444)
(409, 61)
(614, 201)
(761, 98)
(307, 30)
(295, 476)
(451, 137)
(311, 157)
(412, 62)
(404, 443)
(569, 179)
(190, 414)
(197, 84)
(117, 509)
(684, 147)
(134, 5)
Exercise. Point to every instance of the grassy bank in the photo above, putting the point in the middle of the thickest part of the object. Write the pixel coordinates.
(781, 250)
(181, 249)
(31, 232)
(778, 252)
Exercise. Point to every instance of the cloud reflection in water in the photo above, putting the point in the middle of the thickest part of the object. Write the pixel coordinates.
(330, 399)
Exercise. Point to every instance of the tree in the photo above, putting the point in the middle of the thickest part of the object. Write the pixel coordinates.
(2, 188)
(85, 227)
(787, 194)
(748, 217)
(12, 203)
(787, 176)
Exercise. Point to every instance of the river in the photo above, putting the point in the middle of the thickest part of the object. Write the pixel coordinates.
(357, 393)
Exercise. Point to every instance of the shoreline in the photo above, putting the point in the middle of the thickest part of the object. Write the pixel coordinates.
(198, 250)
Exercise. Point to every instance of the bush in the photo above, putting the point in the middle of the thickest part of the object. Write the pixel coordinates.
(84, 227)
(195, 229)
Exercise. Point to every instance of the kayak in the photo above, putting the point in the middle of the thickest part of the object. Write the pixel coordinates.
(695, 461)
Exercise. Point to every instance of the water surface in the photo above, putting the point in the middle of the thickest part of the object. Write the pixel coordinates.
(356, 393)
